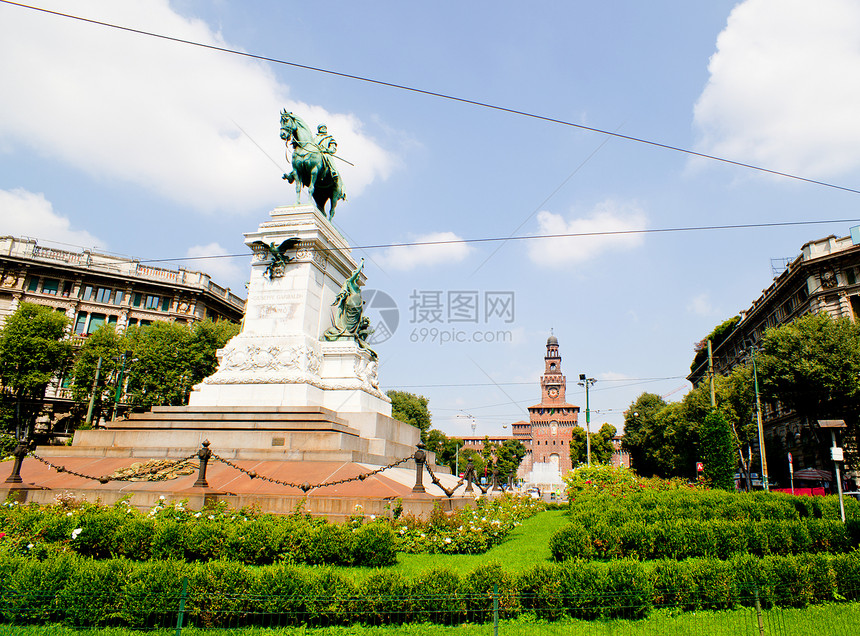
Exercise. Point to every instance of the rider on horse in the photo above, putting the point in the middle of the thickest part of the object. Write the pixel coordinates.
(328, 146)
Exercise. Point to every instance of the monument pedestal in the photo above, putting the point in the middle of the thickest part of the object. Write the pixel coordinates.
(281, 358)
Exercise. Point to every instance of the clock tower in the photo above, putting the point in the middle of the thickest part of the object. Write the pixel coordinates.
(552, 382)
(549, 429)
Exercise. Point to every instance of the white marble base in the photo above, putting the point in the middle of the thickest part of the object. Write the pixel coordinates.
(279, 358)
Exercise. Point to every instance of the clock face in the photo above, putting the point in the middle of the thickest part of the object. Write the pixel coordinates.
(553, 392)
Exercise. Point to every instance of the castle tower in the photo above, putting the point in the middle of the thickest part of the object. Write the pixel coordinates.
(551, 421)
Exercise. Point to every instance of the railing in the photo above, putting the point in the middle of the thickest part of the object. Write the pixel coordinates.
(59, 255)
(208, 604)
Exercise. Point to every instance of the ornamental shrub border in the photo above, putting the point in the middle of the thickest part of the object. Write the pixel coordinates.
(715, 538)
(74, 590)
(171, 531)
(592, 509)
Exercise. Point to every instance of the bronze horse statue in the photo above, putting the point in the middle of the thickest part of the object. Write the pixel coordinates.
(311, 166)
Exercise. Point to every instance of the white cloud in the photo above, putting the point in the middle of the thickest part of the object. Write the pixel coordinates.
(701, 305)
(155, 113)
(782, 91)
(24, 213)
(451, 250)
(224, 271)
(609, 216)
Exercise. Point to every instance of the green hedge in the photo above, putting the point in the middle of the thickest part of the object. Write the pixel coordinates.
(172, 532)
(718, 538)
(84, 592)
(592, 509)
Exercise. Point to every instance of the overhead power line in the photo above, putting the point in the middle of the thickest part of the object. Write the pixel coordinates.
(665, 230)
(436, 94)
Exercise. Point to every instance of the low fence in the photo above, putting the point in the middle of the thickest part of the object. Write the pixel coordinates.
(503, 613)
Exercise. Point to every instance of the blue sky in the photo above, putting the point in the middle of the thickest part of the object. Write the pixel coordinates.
(159, 150)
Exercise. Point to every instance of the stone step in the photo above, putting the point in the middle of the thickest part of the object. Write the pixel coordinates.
(237, 424)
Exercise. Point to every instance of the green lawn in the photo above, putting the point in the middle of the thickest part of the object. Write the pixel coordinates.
(525, 547)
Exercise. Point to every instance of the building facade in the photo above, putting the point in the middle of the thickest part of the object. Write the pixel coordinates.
(825, 277)
(94, 289)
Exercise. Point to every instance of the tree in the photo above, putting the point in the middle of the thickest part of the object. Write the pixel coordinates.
(172, 358)
(812, 366)
(105, 344)
(411, 409)
(509, 455)
(601, 445)
(718, 451)
(643, 434)
(445, 448)
(33, 351)
(717, 336)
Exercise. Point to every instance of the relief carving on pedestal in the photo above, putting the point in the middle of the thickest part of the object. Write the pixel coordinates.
(251, 357)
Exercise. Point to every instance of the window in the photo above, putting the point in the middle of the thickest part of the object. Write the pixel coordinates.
(165, 304)
(81, 323)
(849, 276)
(112, 320)
(103, 294)
(87, 293)
(67, 288)
(33, 283)
(136, 300)
(117, 297)
(50, 286)
(96, 321)
(151, 302)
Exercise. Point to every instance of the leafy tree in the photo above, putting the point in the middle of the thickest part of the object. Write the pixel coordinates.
(812, 365)
(104, 343)
(644, 434)
(717, 451)
(601, 445)
(509, 454)
(717, 336)
(411, 409)
(445, 448)
(172, 358)
(33, 351)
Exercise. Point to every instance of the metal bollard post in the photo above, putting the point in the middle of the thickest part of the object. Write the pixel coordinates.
(419, 456)
(204, 454)
(470, 473)
(19, 454)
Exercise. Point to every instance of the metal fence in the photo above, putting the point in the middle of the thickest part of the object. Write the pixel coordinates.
(495, 612)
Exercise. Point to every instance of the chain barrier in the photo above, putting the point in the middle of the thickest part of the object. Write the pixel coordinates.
(448, 491)
(104, 479)
(167, 465)
(305, 486)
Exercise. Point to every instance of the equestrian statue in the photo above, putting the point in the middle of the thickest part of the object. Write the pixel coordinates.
(313, 162)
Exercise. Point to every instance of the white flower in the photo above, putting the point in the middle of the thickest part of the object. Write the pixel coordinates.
(29, 546)
(76, 532)
(68, 514)
(211, 516)
(372, 517)
(197, 514)
(447, 539)
(161, 497)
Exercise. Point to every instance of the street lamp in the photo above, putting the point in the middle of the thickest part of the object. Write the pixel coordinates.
(587, 382)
